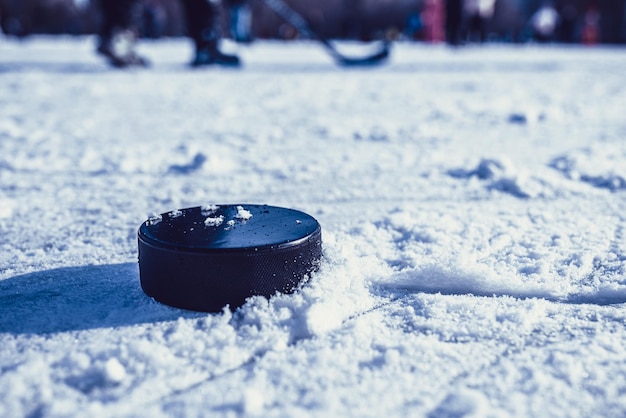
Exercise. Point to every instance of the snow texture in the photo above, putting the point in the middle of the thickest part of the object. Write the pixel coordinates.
(473, 207)
(214, 221)
(242, 214)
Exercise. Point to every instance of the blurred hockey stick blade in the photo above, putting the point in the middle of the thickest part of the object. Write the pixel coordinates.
(301, 25)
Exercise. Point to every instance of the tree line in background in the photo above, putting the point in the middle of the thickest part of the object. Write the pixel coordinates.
(590, 21)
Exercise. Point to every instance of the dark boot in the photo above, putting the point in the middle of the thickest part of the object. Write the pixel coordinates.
(120, 50)
(117, 39)
(202, 29)
(209, 54)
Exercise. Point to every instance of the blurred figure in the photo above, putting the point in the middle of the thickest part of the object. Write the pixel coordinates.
(591, 25)
(152, 19)
(569, 17)
(544, 22)
(16, 17)
(118, 35)
(612, 21)
(454, 21)
(433, 16)
(241, 21)
(201, 18)
(414, 25)
(478, 13)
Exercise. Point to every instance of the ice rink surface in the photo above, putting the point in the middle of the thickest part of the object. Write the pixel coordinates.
(473, 207)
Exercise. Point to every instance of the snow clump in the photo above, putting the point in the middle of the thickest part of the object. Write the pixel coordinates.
(176, 213)
(243, 214)
(114, 372)
(217, 221)
(154, 219)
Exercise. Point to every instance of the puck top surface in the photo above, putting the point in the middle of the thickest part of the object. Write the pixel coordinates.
(229, 228)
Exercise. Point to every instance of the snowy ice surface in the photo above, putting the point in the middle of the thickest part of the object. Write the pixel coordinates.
(473, 207)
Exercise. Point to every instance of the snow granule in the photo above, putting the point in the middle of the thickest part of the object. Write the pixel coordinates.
(176, 213)
(154, 219)
(463, 403)
(217, 221)
(114, 371)
(253, 401)
(322, 318)
(6, 209)
(243, 214)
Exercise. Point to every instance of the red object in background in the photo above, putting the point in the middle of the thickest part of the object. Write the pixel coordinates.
(433, 17)
(591, 26)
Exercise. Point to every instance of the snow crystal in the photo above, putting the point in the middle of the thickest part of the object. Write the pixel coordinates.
(253, 401)
(6, 208)
(217, 221)
(322, 318)
(243, 214)
(176, 213)
(154, 219)
(114, 371)
(464, 403)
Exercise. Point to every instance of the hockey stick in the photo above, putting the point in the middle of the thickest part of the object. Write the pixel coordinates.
(301, 25)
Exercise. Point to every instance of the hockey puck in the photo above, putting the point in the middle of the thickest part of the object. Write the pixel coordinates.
(204, 258)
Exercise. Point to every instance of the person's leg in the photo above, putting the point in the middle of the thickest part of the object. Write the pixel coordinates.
(454, 16)
(117, 38)
(201, 20)
(199, 17)
(474, 28)
(115, 16)
(240, 21)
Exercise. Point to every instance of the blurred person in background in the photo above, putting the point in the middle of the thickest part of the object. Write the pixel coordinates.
(414, 25)
(568, 22)
(202, 28)
(118, 33)
(117, 36)
(433, 16)
(454, 21)
(612, 21)
(240, 21)
(153, 16)
(591, 25)
(544, 22)
(478, 13)
(16, 17)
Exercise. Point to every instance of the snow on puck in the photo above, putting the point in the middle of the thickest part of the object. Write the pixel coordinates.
(204, 258)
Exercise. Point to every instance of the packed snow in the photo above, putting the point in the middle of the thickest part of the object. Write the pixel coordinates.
(243, 214)
(214, 221)
(472, 203)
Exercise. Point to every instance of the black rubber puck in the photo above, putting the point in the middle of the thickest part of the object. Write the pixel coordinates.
(205, 258)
